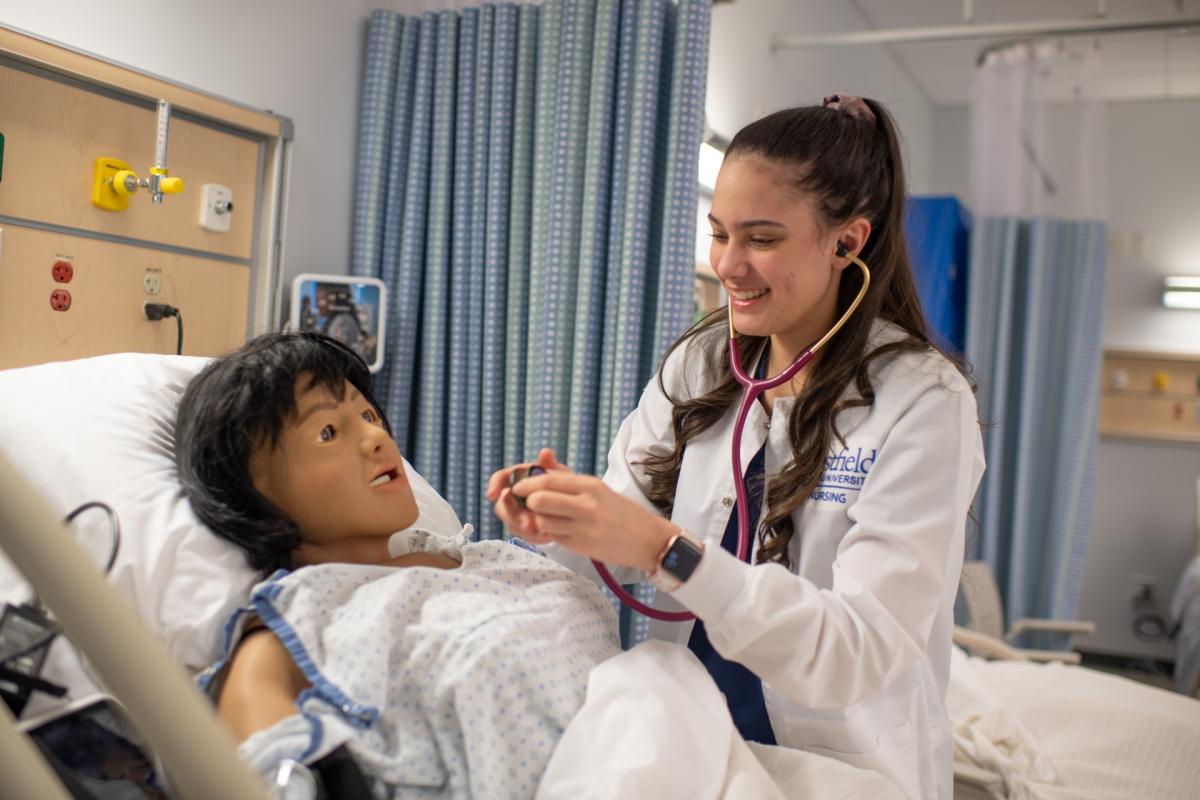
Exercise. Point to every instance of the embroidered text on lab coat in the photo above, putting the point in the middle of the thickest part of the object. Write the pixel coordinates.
(844, 475)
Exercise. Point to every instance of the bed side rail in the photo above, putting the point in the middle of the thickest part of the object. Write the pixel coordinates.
(198, 754)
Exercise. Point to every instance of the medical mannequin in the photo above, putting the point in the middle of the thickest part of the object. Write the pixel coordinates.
(835, 638)
(263, 465)
(362, 646)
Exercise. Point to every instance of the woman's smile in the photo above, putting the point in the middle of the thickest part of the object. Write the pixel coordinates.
(744, 299)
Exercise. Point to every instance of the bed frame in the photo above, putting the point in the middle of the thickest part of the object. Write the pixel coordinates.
(197, 753)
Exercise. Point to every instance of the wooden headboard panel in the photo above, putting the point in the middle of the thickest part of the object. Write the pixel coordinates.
(59, 111)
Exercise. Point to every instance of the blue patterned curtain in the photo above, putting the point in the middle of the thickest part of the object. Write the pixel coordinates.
(1033, 335)
(527, 190)
(1035, 297)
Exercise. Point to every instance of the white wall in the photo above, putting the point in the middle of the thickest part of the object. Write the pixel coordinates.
(746, 80)
(1143, 516)
(299, 58)
(1154, 199)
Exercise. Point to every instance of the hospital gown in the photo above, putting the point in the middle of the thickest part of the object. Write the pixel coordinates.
(441, 683)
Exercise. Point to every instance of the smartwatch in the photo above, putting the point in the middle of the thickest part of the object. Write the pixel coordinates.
(678, 561)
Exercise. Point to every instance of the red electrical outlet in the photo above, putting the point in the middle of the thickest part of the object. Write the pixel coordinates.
(60, 299)
(62, 272)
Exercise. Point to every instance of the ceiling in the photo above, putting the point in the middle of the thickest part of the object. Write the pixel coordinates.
(1144, 65)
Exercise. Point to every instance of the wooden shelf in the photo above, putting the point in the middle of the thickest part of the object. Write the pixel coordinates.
(1133, 433)
(1153, 395)
(1139, 411)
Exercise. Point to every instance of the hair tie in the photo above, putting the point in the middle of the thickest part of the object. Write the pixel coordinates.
(851, 106)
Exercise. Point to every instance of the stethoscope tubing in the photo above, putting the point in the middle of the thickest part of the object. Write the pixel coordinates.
(754, 388)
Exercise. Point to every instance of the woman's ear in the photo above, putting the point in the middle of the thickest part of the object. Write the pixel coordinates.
(851, 239)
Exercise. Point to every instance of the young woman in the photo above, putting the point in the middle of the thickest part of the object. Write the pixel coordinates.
(835, 637)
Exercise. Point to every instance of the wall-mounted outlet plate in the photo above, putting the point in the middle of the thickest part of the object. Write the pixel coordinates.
(216, 207)
(60, 300)
(152, 282)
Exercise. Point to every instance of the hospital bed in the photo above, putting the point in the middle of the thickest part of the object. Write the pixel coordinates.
(1027, 729)
(102, 429)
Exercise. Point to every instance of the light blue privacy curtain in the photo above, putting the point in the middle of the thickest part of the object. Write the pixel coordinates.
(1035, 300)
(1033, 334)
(526, 187)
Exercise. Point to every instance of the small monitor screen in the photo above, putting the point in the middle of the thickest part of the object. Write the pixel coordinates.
(348, 309)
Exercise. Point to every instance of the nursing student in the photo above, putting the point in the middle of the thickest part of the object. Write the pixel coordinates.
(834, 635)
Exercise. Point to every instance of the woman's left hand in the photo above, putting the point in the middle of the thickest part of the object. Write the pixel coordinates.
(581, 513)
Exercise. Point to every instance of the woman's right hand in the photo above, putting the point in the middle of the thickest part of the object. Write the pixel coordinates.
(515, 517)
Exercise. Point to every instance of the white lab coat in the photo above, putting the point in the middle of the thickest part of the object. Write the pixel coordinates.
(853, 645)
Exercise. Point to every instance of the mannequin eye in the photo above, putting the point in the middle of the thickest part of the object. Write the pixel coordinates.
(327, 433)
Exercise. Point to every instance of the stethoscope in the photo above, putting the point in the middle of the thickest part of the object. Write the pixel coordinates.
(754, 388)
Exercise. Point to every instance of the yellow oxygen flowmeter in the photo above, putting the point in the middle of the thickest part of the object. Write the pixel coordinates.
(113, 181)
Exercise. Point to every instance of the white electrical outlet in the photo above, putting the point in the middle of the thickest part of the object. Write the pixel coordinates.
(1141, 586)
(216, 207)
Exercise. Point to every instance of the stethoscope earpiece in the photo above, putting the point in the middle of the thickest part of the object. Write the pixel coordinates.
(841, 250)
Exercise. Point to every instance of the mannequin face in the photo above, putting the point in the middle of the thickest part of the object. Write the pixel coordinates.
(338, 475)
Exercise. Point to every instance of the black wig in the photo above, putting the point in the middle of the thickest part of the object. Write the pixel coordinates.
(236, 403)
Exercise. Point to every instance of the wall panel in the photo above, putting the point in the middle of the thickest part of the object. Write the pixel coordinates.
(60, 110)
(53, 133)
(107, 291)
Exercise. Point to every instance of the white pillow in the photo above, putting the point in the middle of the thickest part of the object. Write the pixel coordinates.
(103, 429)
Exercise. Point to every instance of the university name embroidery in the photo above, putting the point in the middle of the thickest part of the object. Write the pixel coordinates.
(844, 473)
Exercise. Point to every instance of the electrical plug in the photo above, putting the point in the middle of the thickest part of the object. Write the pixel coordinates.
(158, 310)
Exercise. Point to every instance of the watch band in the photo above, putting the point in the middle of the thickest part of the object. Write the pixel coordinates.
(678, 561)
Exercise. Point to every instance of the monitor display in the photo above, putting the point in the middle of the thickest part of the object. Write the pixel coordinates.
(349, 309)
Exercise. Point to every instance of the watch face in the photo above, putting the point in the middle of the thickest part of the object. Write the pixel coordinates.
(681, 560)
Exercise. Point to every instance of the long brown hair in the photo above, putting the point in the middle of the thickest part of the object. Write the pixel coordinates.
(850, 168)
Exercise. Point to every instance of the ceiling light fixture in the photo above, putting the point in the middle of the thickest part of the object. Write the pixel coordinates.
(1181, 291)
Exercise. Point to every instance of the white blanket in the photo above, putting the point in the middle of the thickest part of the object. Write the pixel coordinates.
(987, 736)
(442, 683)
(656, 726)
(1104, 736)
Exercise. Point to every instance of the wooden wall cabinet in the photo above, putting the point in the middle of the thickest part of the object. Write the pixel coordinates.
(1150, 396)
(60, 110)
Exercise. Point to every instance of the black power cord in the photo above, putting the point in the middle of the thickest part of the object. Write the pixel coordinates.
(114, 529)
(156, 311)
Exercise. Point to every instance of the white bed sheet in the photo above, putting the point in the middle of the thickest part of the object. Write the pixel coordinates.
(1104, 736)
(655, 725)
